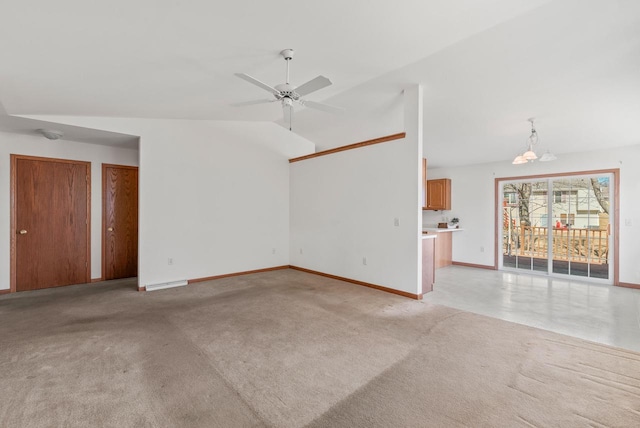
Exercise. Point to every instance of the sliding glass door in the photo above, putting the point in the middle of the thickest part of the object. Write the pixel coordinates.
(558, 226)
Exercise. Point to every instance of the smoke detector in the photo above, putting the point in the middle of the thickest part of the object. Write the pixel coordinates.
(51, 134)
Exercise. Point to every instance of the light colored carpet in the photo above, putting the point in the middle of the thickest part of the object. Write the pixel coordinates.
(290, 349)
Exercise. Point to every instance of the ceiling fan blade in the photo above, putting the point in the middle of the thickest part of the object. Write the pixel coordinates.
(252, 102)
(313, 85)
(258, 83)
(288, 114)
(323, 107)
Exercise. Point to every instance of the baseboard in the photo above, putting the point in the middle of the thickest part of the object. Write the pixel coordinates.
(628, 285)
(227, 275)
(7, 291)
(365, 284)
(473, 265)
(96, 280)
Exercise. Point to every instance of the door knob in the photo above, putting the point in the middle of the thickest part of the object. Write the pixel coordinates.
(23, 232)
(110, 229)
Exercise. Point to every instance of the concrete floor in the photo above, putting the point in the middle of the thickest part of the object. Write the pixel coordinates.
(600, 313)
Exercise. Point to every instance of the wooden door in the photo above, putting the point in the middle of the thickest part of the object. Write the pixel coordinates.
(120, 221)
(50, 222)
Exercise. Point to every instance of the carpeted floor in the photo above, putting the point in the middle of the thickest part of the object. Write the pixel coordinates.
(290, 349)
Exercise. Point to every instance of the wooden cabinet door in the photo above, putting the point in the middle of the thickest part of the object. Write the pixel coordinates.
(439, 194)
(120, 221)
(51, 223)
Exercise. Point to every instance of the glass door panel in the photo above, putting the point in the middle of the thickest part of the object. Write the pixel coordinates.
(558, 225)
(581, 230)
(525, 220)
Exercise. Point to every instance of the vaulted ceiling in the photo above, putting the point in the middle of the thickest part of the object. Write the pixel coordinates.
(485, 65)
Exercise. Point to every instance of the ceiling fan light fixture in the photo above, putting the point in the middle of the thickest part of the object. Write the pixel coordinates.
(288, 94)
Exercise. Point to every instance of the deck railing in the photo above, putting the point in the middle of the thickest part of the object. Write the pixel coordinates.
(571, 244)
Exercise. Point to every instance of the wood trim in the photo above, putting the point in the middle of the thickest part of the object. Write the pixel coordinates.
(473, 265)
(392, 137)
(13, 178)
(7, 291)
(12, 229)
(94, 280)
(103, 232)
(616, 210)
(366, 284)
(561, 174)
(623, 284)
(497, 247)
(226, 275)
(88, 221)
(616, 232)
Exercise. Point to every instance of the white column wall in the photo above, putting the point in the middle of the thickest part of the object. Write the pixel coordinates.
(344, 207)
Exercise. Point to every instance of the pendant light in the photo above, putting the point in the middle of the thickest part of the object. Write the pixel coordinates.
(530, 155)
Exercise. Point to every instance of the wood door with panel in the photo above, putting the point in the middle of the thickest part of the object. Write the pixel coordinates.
(50, 224)
(439, 194)
(120, 221)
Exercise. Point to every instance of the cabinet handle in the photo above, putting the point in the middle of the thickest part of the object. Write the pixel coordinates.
(23, 232)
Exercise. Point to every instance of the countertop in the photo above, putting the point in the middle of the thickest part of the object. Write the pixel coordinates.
(438, 230)
(432, 236)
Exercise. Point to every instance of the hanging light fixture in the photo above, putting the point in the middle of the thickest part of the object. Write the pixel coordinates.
(530, 155)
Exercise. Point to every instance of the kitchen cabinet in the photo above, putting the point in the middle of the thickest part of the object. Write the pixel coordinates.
(443, 245)
(438, 194)
(428, 263)
(444, 250)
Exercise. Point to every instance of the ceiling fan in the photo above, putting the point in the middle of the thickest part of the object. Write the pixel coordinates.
(288, 94)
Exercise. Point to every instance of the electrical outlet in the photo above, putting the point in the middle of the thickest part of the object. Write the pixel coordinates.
(482, 249)
(170, 261)
(273, 251)
(300, 250)
(396, 221)
(628, 222)
(364, 261)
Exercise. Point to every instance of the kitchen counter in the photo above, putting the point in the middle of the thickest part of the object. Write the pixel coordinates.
(444, 244)
(425, 236)
(439, 230)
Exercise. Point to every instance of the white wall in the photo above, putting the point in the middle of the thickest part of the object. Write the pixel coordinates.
(214, 196)
(39, 146)
(343, 208)
(472, 200)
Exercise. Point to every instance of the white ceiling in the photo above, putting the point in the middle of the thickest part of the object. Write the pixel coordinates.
(486, 66)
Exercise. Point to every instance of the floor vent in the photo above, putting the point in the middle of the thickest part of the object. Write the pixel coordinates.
(163, 285)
